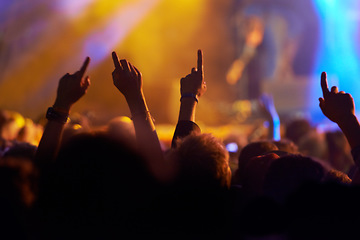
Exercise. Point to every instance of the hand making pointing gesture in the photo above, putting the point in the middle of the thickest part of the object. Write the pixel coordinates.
(126, 77)
(72, 87)
(194, 83)
(128, 80)
(335, 105)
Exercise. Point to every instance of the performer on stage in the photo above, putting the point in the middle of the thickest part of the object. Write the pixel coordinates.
(276, 40)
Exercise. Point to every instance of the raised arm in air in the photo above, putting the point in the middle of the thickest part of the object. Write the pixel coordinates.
(128, 80)
(70, 89)
(192, 87)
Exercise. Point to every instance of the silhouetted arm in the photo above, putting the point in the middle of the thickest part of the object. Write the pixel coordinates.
(192, 87)
(128, 80)
(339, 107)
(70, 89)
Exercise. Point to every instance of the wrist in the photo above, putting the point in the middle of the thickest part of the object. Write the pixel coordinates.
(187, 96)
(137, 103)
(135, 98)
(187, 109)
(351, 128)
(347, 120)
(62, 107)
(54, 115)
(144, 115)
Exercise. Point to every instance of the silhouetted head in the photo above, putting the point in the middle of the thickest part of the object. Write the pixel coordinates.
(199, 204)
(122, 126)
(203, 161)
(98, 184)
(251, 150)
(286, 174)
(19, 172)
(255, 149)
(339, 151)
(286, 145)
(18, 190)
(296, 129)
(255, 171)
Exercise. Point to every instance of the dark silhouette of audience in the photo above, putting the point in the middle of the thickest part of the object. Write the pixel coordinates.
(99, 187)
(117, 180)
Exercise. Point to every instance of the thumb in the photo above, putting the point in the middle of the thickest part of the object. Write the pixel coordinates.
(86, 84)
(321, 103)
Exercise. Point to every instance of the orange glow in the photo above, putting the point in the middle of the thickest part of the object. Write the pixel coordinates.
(159, 37)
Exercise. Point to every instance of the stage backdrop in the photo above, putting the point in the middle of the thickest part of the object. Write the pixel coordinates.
(42, 40)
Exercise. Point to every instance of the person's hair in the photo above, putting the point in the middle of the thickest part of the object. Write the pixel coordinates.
(251, 150)
(286, 145)
(337, 176)
(255, 171)
(197, 203)
(18, 190)
(18, 170)
(255, 149)
(203, 160)
(123, 127)
(18, 182)
(21, 150)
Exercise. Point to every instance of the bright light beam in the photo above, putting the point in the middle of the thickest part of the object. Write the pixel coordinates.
(71, 8)
(100, 42)
(103, 41)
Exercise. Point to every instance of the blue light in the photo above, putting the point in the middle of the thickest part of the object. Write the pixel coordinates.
(232, 147)
(338, 53)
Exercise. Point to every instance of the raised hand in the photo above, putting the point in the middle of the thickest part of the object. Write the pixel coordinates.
(194, 83)
(191, 88)
(336, 106)
(127, 78)
(339, 107)
(72, 87)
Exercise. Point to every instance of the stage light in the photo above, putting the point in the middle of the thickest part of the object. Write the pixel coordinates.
(338, 51)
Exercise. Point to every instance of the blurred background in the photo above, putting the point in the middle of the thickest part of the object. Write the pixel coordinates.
(251, 48)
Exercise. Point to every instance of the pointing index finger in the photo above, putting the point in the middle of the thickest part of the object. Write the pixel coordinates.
(84, 66)
(125, 65)
(324, 84)
(200, 61)
(116, 60)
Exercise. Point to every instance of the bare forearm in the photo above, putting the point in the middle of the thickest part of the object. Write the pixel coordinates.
(187, 109)
(140, 112)
(351, 129)
(147, 138)
(49, 144)
(70, 89)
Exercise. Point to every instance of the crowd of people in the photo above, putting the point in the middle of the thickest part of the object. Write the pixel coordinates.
(62, 178)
